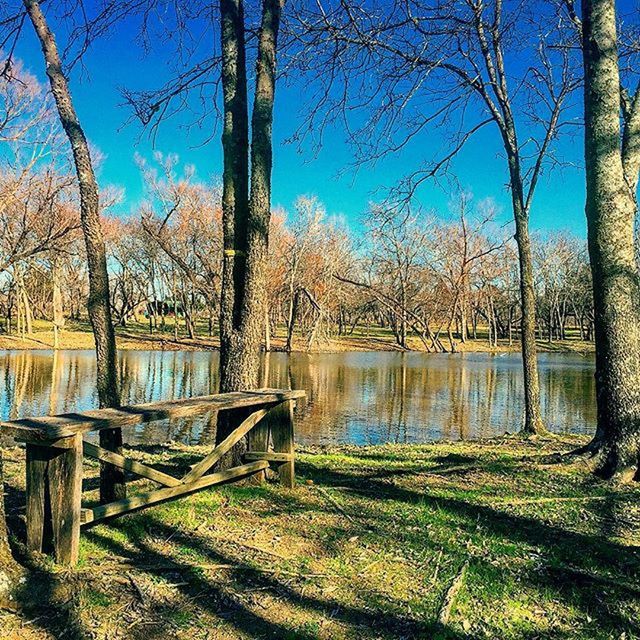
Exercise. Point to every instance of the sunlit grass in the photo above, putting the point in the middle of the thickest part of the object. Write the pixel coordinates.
(136, 335)
(368, 545)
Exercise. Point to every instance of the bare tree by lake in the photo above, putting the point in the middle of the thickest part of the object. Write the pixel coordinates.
(112, 479)
(612, 160)
(391, 61)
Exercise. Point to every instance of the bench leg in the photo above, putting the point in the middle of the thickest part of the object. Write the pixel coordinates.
(54, 490)
(259, 441)
(281, 421)
(38, 513)
(112, 479)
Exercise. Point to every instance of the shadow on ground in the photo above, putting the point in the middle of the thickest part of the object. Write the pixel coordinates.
(582, 575)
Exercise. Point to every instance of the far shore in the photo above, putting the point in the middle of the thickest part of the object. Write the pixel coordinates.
(136, 337)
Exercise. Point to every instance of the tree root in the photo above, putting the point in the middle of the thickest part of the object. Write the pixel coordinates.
(585, 452)
(599, 461)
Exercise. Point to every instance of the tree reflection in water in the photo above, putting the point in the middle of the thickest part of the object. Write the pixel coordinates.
(362, 398)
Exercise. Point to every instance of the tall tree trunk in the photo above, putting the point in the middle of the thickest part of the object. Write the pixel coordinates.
(112, 485)
(261, 166)
(235, 195)
(611, 211)
(532, 419)
(245, 216)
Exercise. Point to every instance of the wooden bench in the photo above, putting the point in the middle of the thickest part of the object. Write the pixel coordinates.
(55, 450)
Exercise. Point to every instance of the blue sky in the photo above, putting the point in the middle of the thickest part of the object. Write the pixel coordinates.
(118, 61)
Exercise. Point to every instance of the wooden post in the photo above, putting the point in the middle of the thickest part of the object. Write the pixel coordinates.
(54, 490)
(281, 422)
(37, 462)
(258, 440)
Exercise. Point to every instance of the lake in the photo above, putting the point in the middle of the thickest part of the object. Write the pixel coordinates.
(359, 398)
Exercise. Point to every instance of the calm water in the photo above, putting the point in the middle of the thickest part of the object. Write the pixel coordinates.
(357, 398)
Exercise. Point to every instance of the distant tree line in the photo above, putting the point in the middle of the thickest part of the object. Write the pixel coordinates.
(440, 278)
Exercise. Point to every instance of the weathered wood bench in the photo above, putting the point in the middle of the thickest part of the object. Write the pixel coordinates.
(55, 449)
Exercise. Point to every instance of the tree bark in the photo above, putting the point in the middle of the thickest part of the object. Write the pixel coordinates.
(235, 198)
(56, 301)
(112, 485)
(494, 64)
(291, 317)
(611, 210)
(532, 418)
(246, 215)
(10, 571)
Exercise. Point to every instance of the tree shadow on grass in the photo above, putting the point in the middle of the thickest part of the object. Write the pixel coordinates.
(594, 574)
(225, 599)
(591, 572)
(454, 458)
(46, 600)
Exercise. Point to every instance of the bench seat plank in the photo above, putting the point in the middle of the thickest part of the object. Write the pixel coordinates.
(48, 428)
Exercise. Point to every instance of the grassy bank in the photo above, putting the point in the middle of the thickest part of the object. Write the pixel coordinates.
(136, 336)
(368, 545)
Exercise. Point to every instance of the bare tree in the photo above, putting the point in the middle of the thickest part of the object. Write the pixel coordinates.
(458, 251)
(452, 56)
(183, 217)
(35, 214)
(112, 484)
(304, 237)
(612, 159)
(397, 253)
(559, 261)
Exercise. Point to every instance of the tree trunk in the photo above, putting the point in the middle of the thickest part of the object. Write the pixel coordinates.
(10, 571)
(464, 309)
(267, 330)
(235, 203)
(56, 301)
(28, 311)
(532, 419)
(403, 317)
(291, 317)
(245, 217)
(254, 302)
(112, 485)
(611, 211)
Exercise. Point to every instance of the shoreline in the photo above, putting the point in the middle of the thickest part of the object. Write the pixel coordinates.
(133, 339)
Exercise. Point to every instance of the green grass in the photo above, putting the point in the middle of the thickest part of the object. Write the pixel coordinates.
(367, 546)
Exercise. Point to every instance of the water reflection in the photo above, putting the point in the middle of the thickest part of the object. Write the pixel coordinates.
(352, 397)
